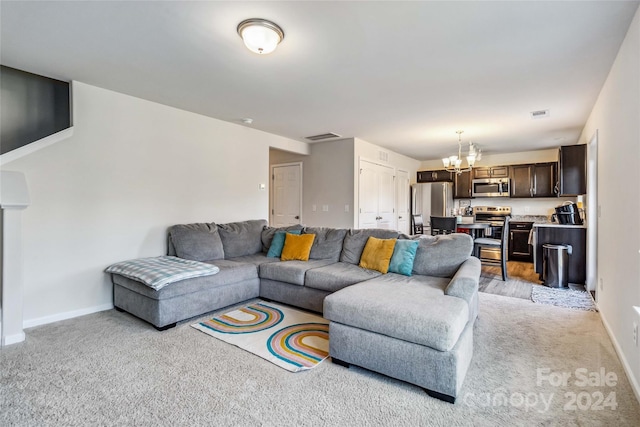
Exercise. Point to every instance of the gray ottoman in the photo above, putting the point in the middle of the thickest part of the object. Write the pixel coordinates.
(405, 328)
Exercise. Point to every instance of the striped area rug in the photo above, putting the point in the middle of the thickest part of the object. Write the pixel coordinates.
(289, 338)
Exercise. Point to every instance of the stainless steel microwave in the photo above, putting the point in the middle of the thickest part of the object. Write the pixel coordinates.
(490, 187)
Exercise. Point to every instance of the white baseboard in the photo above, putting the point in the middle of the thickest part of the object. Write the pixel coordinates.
(64, 316)
(627, 369)
(13, 339)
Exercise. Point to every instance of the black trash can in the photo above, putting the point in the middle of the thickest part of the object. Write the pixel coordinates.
(555, 265)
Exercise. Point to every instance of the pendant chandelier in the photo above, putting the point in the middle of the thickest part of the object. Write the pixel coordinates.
(454, 163)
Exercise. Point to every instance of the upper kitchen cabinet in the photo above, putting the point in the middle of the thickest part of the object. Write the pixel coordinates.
(534, 180)
(492, 172)
(573, 170)
(462, 185)
(435, 176)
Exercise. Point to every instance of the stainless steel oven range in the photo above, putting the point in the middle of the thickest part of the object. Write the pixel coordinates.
(494, 215)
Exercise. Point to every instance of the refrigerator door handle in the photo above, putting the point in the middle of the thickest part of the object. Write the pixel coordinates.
(413, 199)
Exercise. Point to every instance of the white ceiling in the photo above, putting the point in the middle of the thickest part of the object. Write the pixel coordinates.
(403, 75)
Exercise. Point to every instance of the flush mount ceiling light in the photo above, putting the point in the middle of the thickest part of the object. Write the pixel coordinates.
(454, 163)
(259, 35)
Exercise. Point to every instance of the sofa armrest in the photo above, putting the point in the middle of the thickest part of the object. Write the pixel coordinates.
(464, 283)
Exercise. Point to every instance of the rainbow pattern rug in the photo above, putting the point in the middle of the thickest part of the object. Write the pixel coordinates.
(291, 339)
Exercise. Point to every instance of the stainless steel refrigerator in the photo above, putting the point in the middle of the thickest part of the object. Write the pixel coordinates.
(431, 199)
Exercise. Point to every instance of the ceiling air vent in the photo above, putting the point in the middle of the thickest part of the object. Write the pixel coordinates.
(540, 114)
(322, 137)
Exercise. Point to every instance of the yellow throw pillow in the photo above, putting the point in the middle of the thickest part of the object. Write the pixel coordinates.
(377, 254)
(297, 247)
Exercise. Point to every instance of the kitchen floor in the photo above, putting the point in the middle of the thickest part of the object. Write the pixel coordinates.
(521, 276)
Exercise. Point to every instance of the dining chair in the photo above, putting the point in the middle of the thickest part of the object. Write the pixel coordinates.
(418, 224)
(443, 225)
(485, 242)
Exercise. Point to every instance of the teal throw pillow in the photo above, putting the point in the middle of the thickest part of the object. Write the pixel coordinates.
(275, 250)
(403, 255)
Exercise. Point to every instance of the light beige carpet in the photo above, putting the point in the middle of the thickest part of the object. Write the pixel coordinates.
(112, 369)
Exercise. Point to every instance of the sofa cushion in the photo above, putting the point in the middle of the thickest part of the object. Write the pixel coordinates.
(334, 277)
(404, 253)
(431, 285)
(230, 272)
(377, 254)
(171, 249)
(290, 271)
(442, 255)
(255, 259)
(195, 242)
(328, 242)
(268, 233)
(275, 250)
(242, 238)
(297, 247)
(355, 240)
(401, 307)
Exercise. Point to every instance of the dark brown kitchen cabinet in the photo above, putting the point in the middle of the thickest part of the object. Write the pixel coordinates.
(435, 176)
(573, 170)
(492, 172)
(534, 180)
(462, 185)
(519, 247)
(544, 180)
(521, 181)
(569, 235)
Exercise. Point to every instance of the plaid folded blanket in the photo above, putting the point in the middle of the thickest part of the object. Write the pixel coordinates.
(158, 272)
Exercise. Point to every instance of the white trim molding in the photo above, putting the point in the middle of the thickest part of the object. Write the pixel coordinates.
(35, 146)
(13, 339)
(66, 315)
(625, 364)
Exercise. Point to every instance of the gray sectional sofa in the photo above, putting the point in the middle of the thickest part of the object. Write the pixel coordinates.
(416, 328)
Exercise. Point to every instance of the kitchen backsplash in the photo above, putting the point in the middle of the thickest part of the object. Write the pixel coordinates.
(520, 207)
(531, 218)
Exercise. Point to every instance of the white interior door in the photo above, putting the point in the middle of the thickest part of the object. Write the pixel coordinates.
(402, 203)
(368, 195)
(386, 197)
(287, 194)
(376, 196)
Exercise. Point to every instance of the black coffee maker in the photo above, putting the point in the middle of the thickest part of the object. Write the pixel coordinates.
(568, 213)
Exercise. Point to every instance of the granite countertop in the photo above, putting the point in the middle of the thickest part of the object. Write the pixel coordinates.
(555, 224)
(531, 218)
(543, 221)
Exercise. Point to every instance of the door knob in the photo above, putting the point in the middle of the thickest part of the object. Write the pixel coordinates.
(297, 217)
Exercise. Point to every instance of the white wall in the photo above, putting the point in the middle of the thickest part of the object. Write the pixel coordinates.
(327, 180)
(616, 117)
(330, 177)
(108, 193)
